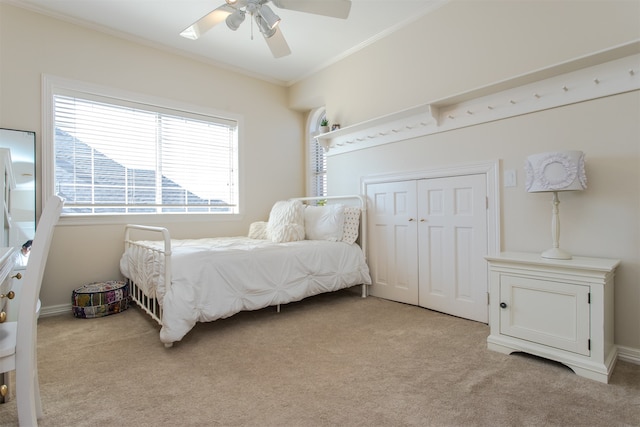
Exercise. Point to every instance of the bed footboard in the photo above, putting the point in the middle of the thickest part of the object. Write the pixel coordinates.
(149, 304)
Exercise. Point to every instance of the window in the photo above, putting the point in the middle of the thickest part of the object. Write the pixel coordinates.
(317, 165)
(114, 156)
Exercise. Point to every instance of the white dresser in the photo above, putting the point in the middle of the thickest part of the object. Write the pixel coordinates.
(556, 309)
(8, 258)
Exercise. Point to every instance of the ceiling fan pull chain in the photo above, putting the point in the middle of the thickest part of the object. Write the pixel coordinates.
(251, 26)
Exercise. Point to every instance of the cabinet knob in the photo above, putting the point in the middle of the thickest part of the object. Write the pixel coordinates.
(9, 295)
(503, 305)
(3, 316)
(17, 276)
(411, 219)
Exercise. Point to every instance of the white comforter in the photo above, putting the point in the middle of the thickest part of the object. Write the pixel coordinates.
(218, 277)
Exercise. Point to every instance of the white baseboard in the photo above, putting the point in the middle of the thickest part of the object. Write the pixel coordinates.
(55, 310)
(629, 354)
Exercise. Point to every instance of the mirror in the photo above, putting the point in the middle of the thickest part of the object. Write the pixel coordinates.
(17, 161)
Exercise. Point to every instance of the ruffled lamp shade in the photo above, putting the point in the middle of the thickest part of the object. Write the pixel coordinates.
(553, 172)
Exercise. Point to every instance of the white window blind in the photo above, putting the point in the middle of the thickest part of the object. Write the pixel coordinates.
(114, 156)
(318, 167)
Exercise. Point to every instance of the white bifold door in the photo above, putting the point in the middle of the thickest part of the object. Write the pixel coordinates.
(427, 242)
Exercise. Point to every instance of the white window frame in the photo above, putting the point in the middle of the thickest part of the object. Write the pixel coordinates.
(313, 124)
(52, 85)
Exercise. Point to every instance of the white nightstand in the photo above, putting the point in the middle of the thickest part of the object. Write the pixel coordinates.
(556, 309)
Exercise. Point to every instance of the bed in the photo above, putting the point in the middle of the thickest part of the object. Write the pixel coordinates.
(302, 250)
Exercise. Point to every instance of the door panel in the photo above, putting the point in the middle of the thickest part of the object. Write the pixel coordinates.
(452, 244)
(393, 241)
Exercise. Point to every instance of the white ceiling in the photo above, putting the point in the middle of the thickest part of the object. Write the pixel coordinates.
(315, 41)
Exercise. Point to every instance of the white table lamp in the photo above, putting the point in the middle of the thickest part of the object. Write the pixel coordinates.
(553, 172)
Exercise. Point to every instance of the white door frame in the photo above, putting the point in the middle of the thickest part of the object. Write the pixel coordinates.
(490, 169)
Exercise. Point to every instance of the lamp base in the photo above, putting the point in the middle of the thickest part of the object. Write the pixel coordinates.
(556, 253)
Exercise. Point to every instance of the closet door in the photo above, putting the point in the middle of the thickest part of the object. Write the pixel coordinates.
(393, 242)
(453, 241)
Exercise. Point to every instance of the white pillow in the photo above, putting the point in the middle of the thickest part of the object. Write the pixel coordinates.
(324, 222)
(351, 224)
(258, 230)
(286, 222)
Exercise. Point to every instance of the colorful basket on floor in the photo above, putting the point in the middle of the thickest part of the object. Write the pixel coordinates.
(100, 299)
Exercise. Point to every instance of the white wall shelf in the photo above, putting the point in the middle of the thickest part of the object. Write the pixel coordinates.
(393, 127)
(609, 72)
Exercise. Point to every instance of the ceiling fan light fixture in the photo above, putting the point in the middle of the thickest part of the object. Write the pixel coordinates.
(235, 19)
(190, 33)
(264, 27)
(269, 16)
(234, 12)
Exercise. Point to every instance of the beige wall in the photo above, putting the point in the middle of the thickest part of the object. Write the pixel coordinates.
(461, 46)
(32, 45)
(464, 45)
(456, 48)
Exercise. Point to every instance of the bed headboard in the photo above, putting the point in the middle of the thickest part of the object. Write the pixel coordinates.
(355, 200)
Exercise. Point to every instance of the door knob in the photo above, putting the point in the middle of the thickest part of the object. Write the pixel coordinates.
(503, 305)
(9, 295)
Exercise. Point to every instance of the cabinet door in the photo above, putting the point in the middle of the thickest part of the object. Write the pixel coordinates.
(393, 241)
(555, 314)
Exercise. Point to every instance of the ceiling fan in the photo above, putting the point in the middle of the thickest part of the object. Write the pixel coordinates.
(234, 12)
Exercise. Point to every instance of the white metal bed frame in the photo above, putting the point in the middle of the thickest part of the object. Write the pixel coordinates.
(151, 305)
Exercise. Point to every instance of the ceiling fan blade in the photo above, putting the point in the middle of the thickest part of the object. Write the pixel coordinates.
(278, 44)
(207, 22)
(332, 8)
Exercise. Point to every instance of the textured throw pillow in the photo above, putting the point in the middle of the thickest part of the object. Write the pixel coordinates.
(258, 230)
(351, 225)
(324, 222)
(286, 222)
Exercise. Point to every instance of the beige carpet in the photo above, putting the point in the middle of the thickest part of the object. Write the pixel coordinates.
(331, 360)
